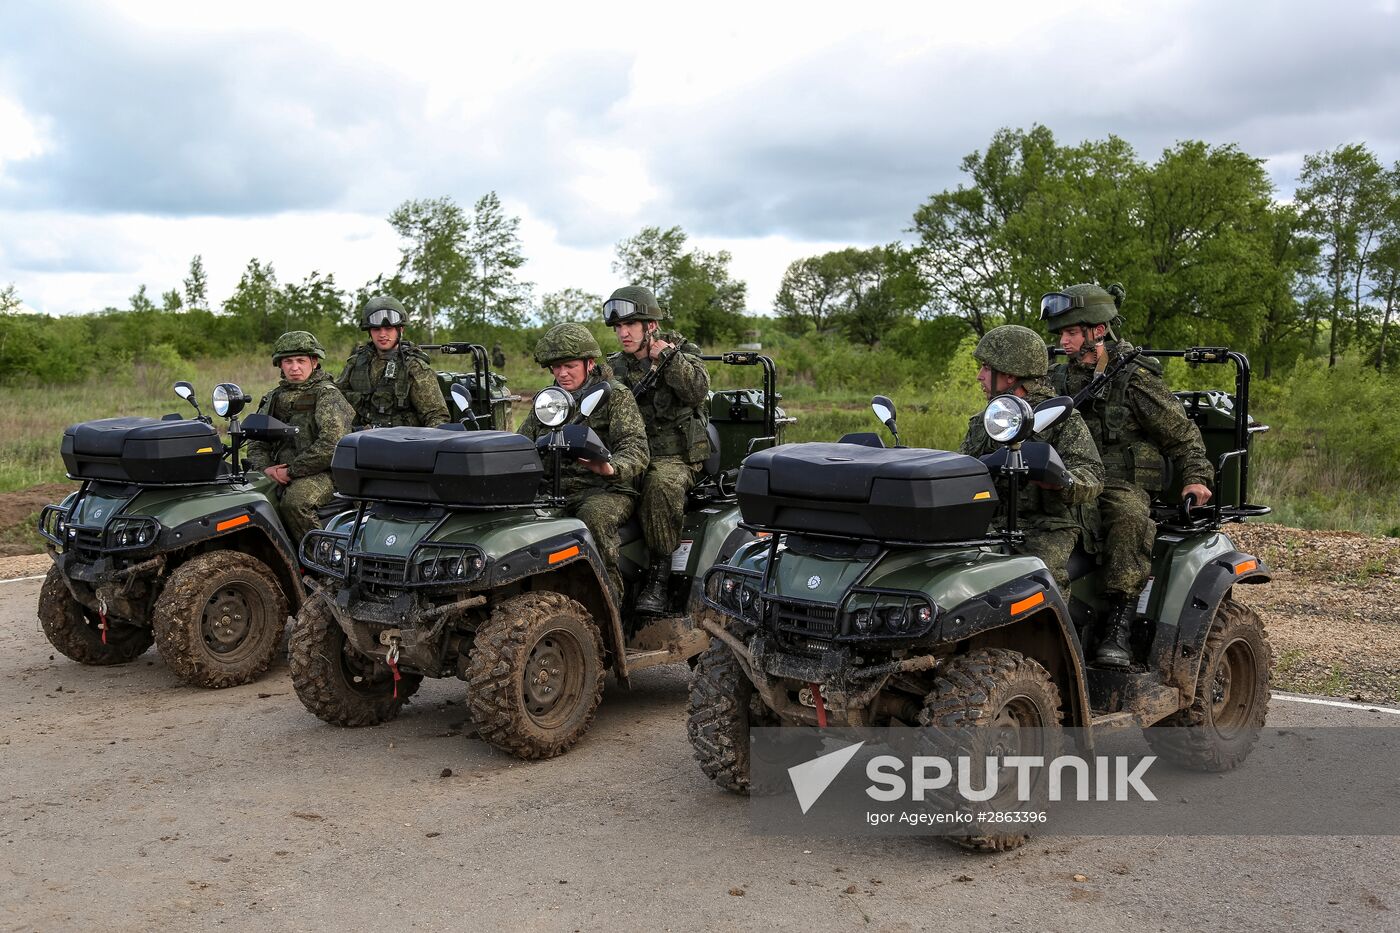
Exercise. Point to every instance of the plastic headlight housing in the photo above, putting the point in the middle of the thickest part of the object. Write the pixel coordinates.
(889, 614)
(228, 399)
(128, 534)
(446, 564)
(1008, 419)
(553, 406)
(735, 593)
(325, 553)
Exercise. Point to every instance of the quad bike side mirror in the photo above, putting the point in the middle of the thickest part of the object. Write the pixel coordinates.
(884, 410)
(185, 391)
(593, 398)
(1051, 412)
(463, 401)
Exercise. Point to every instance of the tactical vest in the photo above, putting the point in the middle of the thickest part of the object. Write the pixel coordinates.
(383, 402)
(674, 429)
(1128, 454)
(295, 404)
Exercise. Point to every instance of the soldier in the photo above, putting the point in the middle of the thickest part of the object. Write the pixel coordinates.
(387, 380)
(498, 357)
(601, 494)
(307, 399)
(1135, 422)
(1014, 362)
(671, 386)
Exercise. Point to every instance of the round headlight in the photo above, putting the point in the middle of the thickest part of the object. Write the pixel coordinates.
(1008, 419)
(865, 621)
(553, 406)
(228, 399)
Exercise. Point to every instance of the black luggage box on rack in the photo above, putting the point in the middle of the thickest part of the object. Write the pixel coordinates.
(438, 465)
(143, 450)
(907, 494)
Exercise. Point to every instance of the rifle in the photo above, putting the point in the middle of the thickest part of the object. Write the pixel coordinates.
(1099, 384)
(652, 376)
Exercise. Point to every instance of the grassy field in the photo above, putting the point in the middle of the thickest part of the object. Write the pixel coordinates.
(1309, 484)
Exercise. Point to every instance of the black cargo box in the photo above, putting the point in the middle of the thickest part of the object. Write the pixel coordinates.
(438, 465)
(847, 489)
(143, 450)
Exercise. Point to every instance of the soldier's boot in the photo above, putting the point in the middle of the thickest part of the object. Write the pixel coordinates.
(652, 600)
(1113, 648)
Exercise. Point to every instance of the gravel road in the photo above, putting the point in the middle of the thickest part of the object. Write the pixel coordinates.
(132, 803)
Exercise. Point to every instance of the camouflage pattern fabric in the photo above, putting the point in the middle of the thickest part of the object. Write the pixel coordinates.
(662, 512)
(1013, 350)
(405, 395)
(1049, 510)
(674, 410)
(1135, 425)
(297, 343)
(603, 513)
(300, 500)
(321, 412)
(618, 425)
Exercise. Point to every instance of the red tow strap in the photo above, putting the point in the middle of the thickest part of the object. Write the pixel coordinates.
(821, 705)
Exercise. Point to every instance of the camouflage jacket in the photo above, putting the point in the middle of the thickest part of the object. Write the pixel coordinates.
(319, 410)
(1137, 422)
(405, 395)
(674, 408)
(1071, 507)
(619, 425)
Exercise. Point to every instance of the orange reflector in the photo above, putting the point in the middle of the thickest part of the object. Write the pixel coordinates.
(984, 494)
(232, 523)
(1029, 602)
(1246, 567)
(763, 534)
(565, 554)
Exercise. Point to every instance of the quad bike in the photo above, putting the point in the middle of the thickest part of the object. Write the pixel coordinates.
(877, 598)
(452, 563)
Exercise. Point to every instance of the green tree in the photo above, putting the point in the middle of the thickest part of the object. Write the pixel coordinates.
(570, 304)
(255, 303)
(141, 302)
(694, 287)
(1288, 291)
(493, 251)
(1384, 264)
(434, 272)
(880, 286)
(197, 284)
(315, 304)
(1341, 192)
(810, 293)
(171, 302)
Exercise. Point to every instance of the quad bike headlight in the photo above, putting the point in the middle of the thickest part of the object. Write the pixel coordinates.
(126, 533)
(445, 564)
(325, 553)
(553, 406)
(735, 593)
(889, 614)
(1008, 419)
(228, 399)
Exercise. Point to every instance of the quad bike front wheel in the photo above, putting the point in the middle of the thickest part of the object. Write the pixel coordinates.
(336, 682)
(723, 707)
(535, 675)
(76, 631)
(1218, 730)
(219, 620)
(1001, 703)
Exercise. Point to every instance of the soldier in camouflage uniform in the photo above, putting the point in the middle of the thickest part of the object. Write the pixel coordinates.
(1014, 362)
(1136, 422)
(387, 380)
(669, 381)
(601, 494)
(307, 399)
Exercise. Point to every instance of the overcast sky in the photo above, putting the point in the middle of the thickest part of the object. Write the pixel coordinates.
(134, 136)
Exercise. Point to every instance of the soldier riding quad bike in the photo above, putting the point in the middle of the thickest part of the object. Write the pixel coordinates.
(878, 598)
(169, 540)
(452, 563)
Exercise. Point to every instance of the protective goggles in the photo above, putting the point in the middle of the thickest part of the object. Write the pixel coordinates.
(1054, 304)
(384, 317)
(620, 311)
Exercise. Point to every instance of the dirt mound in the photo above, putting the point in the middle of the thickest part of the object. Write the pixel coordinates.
(18, 510)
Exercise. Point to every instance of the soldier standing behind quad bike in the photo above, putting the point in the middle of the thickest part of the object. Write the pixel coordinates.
(1135, 422)
(307, 399)
(387, 380)
(602, 495)
(668, 378)
(1014, 362)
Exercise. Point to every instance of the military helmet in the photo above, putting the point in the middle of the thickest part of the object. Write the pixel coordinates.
(1080, 304)
(1014, 350)
(631, 303)
(296, 343)
(564, 342)
(383, 311)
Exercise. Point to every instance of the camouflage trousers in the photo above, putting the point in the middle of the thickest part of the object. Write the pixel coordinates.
(1053, 547)
(603, 513)
(1128, 533)
(662, 512)
(300, 500)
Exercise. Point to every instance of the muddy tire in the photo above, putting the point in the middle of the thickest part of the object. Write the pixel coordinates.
(535, 675)
(724, 706)
(1218, 730)
(76, 631)
(219, 620)
(996, 693)
(336, 682)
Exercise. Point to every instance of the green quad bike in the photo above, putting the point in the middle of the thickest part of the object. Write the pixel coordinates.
(170, 540)
(878, 599)
(453, 564)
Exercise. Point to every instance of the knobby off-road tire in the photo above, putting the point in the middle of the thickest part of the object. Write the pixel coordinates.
(724, 706)
(76, 631)
(535, 675)
(995, 689)
(219, 620)
(336, 682)
(1218, 730)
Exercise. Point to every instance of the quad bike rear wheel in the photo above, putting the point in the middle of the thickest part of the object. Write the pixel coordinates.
(76, 631)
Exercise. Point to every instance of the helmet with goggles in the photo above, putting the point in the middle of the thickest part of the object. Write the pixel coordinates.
(1080, 304)
(383, 311)
(631, 303)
